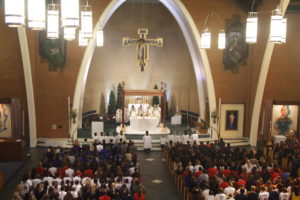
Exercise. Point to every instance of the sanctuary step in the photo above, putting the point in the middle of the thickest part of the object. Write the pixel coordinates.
(67, 143)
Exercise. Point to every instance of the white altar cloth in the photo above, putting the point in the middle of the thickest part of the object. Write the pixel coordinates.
(278, 138)
(143, 123)
(176, 119)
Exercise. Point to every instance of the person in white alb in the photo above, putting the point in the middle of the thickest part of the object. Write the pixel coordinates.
(177, 138)
(185, 138)
(264, 194)
(147, 142)
(194, 137)
(170, 138)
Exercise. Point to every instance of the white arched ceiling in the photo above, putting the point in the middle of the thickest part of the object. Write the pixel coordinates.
(203, 75)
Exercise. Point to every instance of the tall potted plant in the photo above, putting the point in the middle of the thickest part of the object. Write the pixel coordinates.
(214, 115)
(73, 115)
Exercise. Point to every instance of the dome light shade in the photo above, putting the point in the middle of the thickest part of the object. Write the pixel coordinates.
(222, 40)
(100, 38)
(205, 39)
(53, 22)
(83, 42)
(69, 33)
(251, 28)
(36, 14)
(276, 27)
(86, 21)
(15, 13)
(70, 13)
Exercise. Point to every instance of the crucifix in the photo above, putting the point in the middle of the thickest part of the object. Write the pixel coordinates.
(143, 44)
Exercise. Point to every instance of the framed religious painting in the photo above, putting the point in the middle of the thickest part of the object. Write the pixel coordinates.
(5, 120)
(232, 120)
(284, 119)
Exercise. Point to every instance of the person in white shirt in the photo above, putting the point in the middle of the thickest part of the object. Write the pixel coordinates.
(58, 180)
(210, 196)
(69, 172)
(205, 193)
(75, 178)
(264, 194)
(284, 195)
(36, 181)
(221, 195)
(49, 179)
(229, 190)
(67, 180)
(198, 167)
(163, 141)
(52, 170)
(248, 166)
(62, 193)
(147, 142)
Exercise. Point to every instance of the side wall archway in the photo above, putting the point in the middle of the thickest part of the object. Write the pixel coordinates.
(205, 86)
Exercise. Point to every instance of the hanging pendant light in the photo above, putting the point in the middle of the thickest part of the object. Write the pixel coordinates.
(86, 21)
(283, 34)
(276, 27)
(83, 42)
(251, 28)
(205, 39)
(53, 22)
(69, 33)
(36, 14)
(70, 13)
(100, 38)
(221, 40)
(15, 13)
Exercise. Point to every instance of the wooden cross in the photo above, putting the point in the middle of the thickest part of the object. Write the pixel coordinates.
(142, 46)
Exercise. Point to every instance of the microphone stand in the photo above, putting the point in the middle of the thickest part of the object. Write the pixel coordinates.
(211, 128)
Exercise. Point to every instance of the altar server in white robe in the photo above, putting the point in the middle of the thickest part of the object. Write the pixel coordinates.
(177, 138)
(147, 142)
(185, 138)
(170, 137)
(194, 137)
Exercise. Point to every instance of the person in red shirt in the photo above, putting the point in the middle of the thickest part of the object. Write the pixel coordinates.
(40, 169)
(105, 197)
(139, 196)
(226, 172)
(89, 173)
(240, 182)
(212, 172)
(224, 185)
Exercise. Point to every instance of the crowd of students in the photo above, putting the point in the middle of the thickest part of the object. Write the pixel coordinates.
(106, 170)
(216, 171)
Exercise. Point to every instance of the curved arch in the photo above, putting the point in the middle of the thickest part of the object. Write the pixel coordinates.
(205, 86)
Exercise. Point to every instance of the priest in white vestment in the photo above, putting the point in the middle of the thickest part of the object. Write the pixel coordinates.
(147, 142)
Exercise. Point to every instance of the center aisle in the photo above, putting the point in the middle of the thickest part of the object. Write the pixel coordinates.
(157, 179)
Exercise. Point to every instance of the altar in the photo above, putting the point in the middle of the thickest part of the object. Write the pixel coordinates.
(143, 115)
(144, 123)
